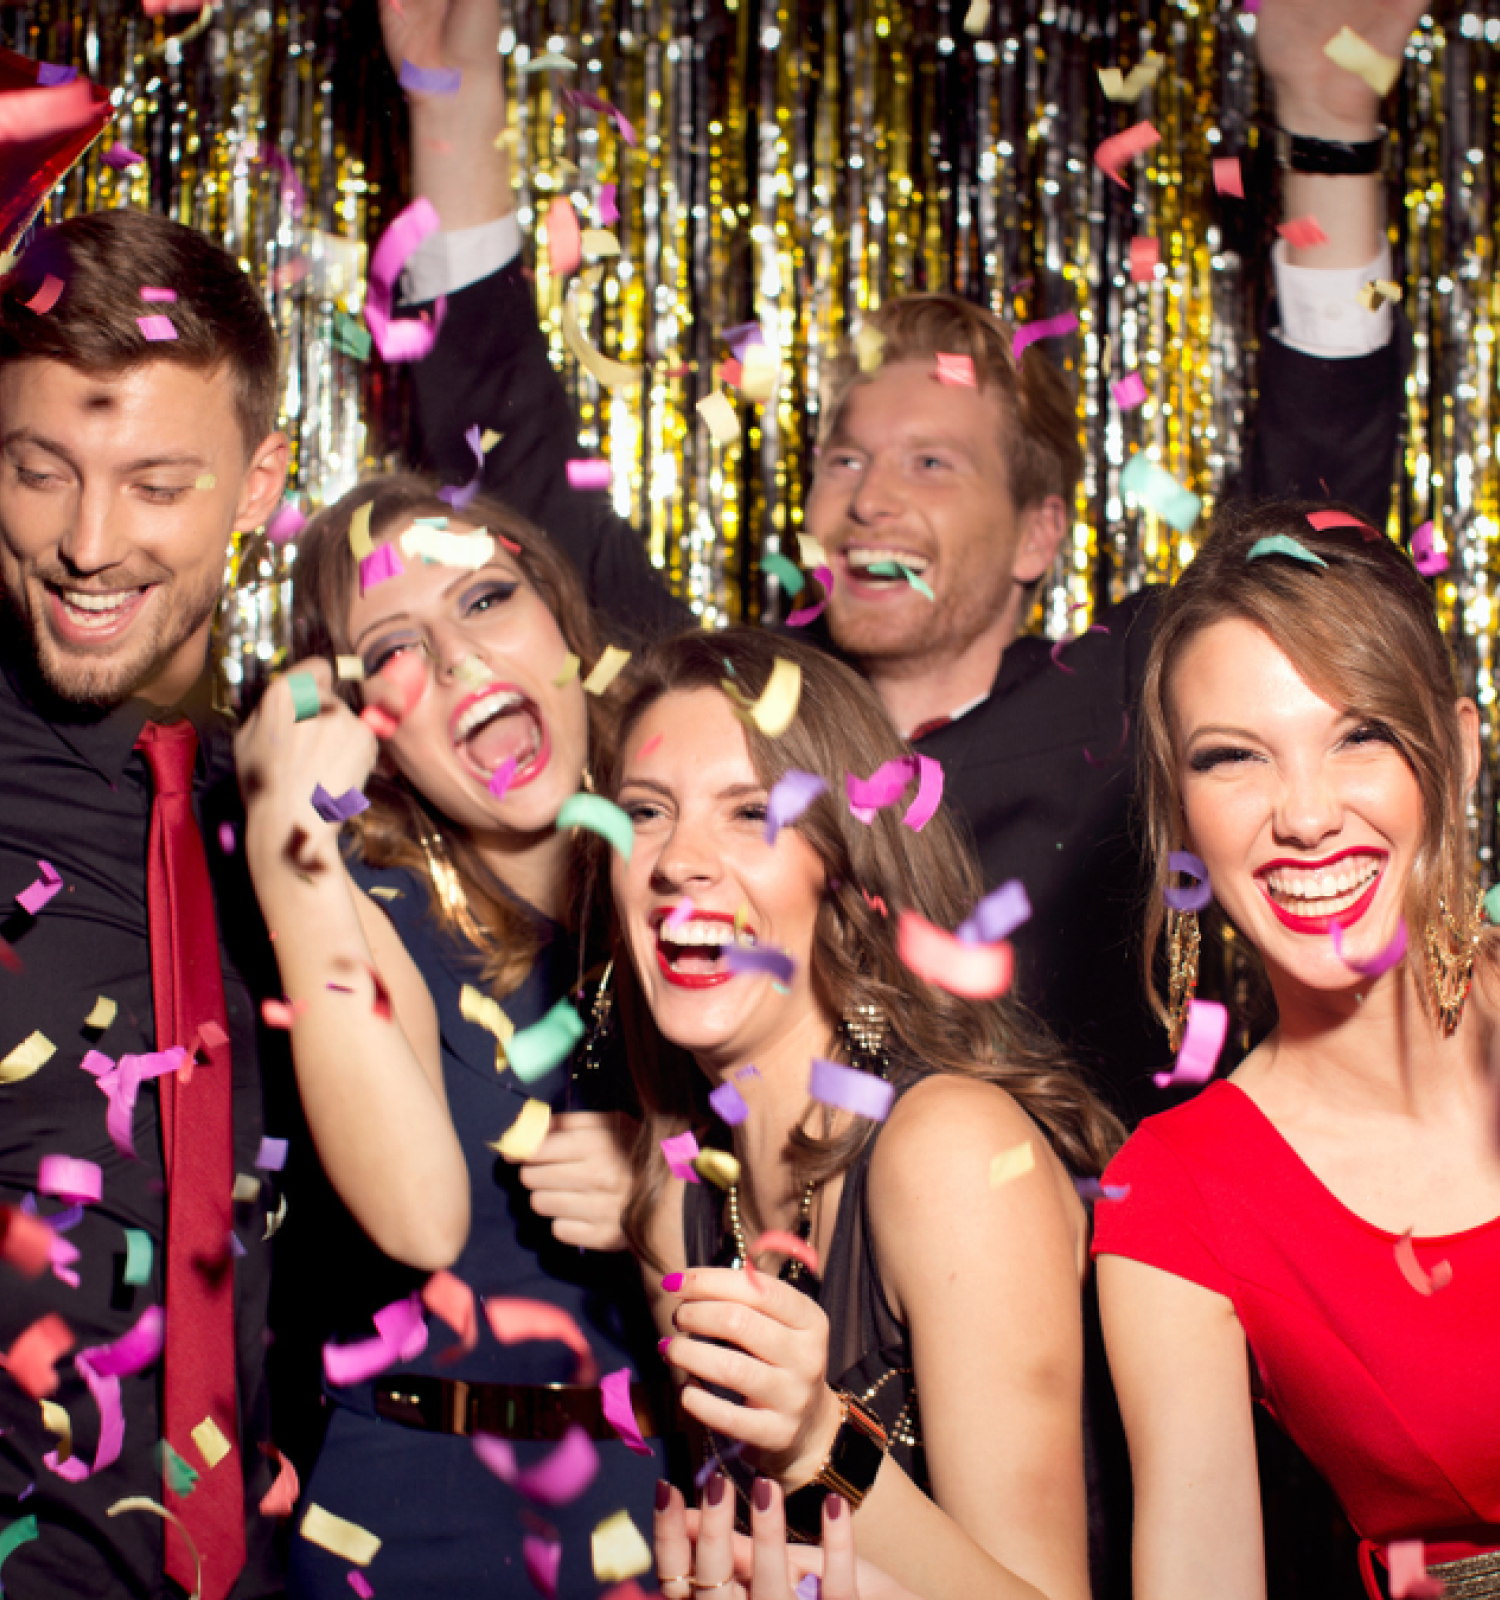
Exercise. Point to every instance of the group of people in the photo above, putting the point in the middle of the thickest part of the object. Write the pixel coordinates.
(829, 1207)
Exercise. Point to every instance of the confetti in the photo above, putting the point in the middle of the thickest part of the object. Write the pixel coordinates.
(1129, 391)
(429, 80)
(139, 1252)
(1302, 233)
(542, 1558)
(400, 1335)
(600, 244)
(619, 1550)
(997, 915)
(140, 1502)
(446, 547)
(119, 157)
(592, 102)
(534, 1051)
(1122, 147)
(22, 1531)
(181, 1479)
(1145, 258)
(863, 1093)
(1378, 292)
(409, 339)
(1382, 961)
(977, 18)
(761, 960)
(1126, 88)
(338, 807)
(1228, 178)
(681, 1150)
(36, 1351)
(1322, 520)
(156, 329)
(1203, 1039)
(1049, 328)
(246, 1189)
(773, 712)
(523, 1138)
(451, 1300)
(460, 495)
(729, 1104)
(929, 795)
(869, 348)
(1194, 897)
(159, 296)
(609, 209)
(1013, 1163)
(27, 114)
(776, 565)
(121, 1084)
(47, 296)
(350, 338)
(1154, 486)
(485, 1010)
(32, 898)
(1426, 557)
(720, 416)
(25, 1241)
(280, 1500)
(68, 1178)
(601, 816)
(791, 795)
(548, 61)
(212, 1445)
(718, 1167)
(360, 1584)
(57, 1421)
(619, 1413)
(31, 1055)
(809, 1587)
(346, 1539)
(306, 700)
(515, 1321)
(1093, 1189)
(955, 372)
(800, 619)
(564, 238)
(976, 971)
(1413, 1271)
(607, 668)
(612, 374)
(1354, 54)
(1282, 544)
(779, 1242)
(590, 474)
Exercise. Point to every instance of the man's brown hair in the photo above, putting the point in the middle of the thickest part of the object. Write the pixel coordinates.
(103, 260)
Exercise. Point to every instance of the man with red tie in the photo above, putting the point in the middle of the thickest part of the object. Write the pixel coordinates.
(138, 396)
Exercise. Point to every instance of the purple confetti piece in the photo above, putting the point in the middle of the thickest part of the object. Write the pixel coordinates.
(51, 76)
(272, 1155)
(157, 329)
(746, 1073)
(809, 1587)
(461, 495)
(1381, 961)
(382, 563)
(35, 895)
(543, 1559)
(740, 338)
(233, 1241)
(1093, 1189)
(339, 807)
(1195, 896)
(746, 960)
(729, 1104)
(726, 1454)
(833, 1084)
(120, 156)
(997, 916)
(791, 795)
(430, 80)
(361, 1585)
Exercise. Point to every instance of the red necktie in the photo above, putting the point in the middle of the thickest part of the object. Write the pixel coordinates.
(188, 992)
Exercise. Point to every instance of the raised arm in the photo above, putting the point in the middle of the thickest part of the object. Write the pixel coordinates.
(371, 1083)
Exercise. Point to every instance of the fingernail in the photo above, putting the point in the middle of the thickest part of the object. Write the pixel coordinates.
(672, 1282)
(716, 1487)
(833, 1506)
(762, 1494)
(663, 1494)
(661, 1346)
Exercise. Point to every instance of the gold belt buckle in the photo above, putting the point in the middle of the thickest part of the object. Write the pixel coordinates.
(458, 1416)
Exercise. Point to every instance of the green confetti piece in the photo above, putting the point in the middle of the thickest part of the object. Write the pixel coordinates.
(22, 1531)
(534, 1051)
(180, 1477)
(138, 1253)
(1157, 488)
(1283, 544)
(601, 816)
(430, 522)
(306, 701)
(776, 565)
(919, 584)
(894, 569)
(351, 337)
(1492, 904)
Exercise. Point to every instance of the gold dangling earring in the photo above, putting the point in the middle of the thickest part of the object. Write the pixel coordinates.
(1450, 961)
(1183, 942)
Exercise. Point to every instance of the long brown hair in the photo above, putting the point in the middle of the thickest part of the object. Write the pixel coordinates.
(402, 828)
(842, 727)
(1362, 631)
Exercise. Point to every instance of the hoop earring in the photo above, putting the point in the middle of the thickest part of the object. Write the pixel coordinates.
(1184, 939)
(1450, 961)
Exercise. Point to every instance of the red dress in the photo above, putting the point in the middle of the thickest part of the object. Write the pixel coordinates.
(1392, 1394)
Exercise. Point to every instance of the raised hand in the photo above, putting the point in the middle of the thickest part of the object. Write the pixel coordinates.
(580, 1177)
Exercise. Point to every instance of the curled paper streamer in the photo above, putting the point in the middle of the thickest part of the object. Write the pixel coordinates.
(1122, 147)
(929, 795)
(1426, 557)
(523, 1138)
(791, 795)
(451, 1300)
(976, 971)
(429, 80)
(401, 1335)
(592, 102)
(1196, 896)
(409, 339)
(346, 1539)
(35, 895)
(1228, 177)
(281, 1498)
(47, 296)
(807, 614)
(1416, 1275)
(121, 1086)
(612, 374)
(1382, 961)
(729, 1104)
(515, 1321)
(773, 712)
(70, 1179)
(1202, 1040)
(1049, 328)
(534, 1051)
(338, 807)
(761, 959)
(601, 816)
(1283, 544)
(782, 1243)
(460, 495)
(832, 1084)
(997, 915)
(681, 1150)
(1322, 520)
(483, 1009)
(619, 1413)
(1063, 643)
(140, 1502)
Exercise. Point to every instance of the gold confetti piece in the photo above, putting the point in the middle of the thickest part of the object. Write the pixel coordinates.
(600, 242)
(1013, 1163)
(977, 17)
(206, 481)
(759, 372)
(56, 1420)
(549, 61)
(346, 1539)
(717, 1167)
(869, 348)
(719, 415)
(606, 669)
(570, 667)
(612, 374)
(383, 891)
(774, 711)
(1347, 50)
(813, 553)
(1127, 88)
(488, 440)
(619, 1550)
(741, 916)
(212, 1445)
(1377, 292)
(350, 669)
(472, 673)
(246, 1189)
(31, 1055)
(105, 1011)
(360, 541)
(140, 1502)
(485, 1010)
(522, 1139)
(447, 548)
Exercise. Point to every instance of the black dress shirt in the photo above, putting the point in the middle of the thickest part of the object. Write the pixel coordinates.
(75, 793)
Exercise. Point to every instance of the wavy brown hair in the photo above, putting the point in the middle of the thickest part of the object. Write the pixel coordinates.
(390, 833)
(842, 727)
(1362, 631)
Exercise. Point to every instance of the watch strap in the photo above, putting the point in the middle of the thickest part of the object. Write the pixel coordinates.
(1330, 158)
(853, 1460)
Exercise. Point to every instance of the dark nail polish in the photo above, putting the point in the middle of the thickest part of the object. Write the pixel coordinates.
(716, 1487)
(663, 1494)
(762, 1494)
(833, 1506)
(671, 1283)
(661, 1346)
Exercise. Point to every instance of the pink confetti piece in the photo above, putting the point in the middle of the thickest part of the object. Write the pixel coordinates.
(1302, 233)
(281, 1014)
(791, 795)
(929, 795)
(564, 239)
(653, 743)
(25, 1241)
(226, 838)
(47, 296)
(609, 209)
(27, 114)
(589, 474)
(681, 1151)
(121, 1087)
(400, 1335)
(1424, 1282)
(955, 372)
(156, 329)
(69, 1178)
(408, 339)
(543, 1560)
(832, 1084)
(1228, 178)
(429, 80)
(1323, 520)
(1145, 258)
(119, 157)
(383, 563)
(502, 777)
(35, 895)
(807, 614)
(451, 1300)
(1202, 1040)
(997, 915)
(1063, 643)
(1196, 896)
(1122, 147)
(339, 807)
(271, 1157)
(1382, 961)
(1427, 559)
(619, 1412)
(556, 1480)
(361, 1585)
(592, 102)
(782, 1243)
(1129, 391)
(159, 296)
(280, 1500)
(286, 524)
(135, 1350)
(976, 971)
(882, 788)
(681, 914)
(1117, 752)
(516, 1321)
(729, 1104)
(760, 960)
(1048, 328)
(1406, 1560)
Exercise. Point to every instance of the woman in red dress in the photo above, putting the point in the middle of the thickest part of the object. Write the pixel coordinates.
(1332, 1210)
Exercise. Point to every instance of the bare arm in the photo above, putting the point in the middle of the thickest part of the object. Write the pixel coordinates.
(1177, 1353)
(371, 1088)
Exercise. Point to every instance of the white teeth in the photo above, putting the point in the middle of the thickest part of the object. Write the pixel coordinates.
(114, 601)
(863, 558)
(706, 933)
(492, 705)
(1334, 884)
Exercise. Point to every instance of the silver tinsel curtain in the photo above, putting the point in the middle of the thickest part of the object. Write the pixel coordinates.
(797, 162)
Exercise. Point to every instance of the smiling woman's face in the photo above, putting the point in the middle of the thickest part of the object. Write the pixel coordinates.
(492, 651)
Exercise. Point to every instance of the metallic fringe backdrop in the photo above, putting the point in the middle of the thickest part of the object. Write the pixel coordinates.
(797, 162)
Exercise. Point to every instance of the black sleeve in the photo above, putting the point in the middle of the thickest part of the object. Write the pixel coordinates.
(490, 366)
(1328, 429)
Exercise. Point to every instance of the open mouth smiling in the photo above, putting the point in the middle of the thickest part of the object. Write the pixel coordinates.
(859, 559)
(692, 954)
(1311, 896)
(499, 723)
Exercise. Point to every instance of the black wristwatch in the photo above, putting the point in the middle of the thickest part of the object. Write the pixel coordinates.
(859, 1447)
(1329, 158)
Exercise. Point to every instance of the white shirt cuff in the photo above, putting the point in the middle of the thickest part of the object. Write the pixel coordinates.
(444, 263)
(1320, 310)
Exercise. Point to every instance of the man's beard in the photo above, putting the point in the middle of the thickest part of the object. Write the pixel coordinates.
(108, 679)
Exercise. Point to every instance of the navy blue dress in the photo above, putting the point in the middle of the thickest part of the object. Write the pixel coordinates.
(449, 1528)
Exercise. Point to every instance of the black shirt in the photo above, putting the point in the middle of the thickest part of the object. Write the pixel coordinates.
(75, 793)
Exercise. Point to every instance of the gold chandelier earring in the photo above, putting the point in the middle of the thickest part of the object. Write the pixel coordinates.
(1450, 960)
(1183, 943)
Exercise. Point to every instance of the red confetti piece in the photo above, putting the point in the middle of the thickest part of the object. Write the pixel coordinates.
(280, 1499)
(874, 902)
(976, 971)
(1302, 233)
(451, 1300)
(47, 296)
(1228, 178)
(36, 1352)
(27, 114)
(782, 1243)
(1145, 258)
(380, 1004)
(1424, 1282)
(25, 1242)
(956, 372)
(516, 1321)
(731, 372)
(564, 238)
(1122, 147)
(281, 1013)
(1323, 520)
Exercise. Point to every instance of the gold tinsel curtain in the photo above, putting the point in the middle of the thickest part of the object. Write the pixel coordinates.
(797, 162)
